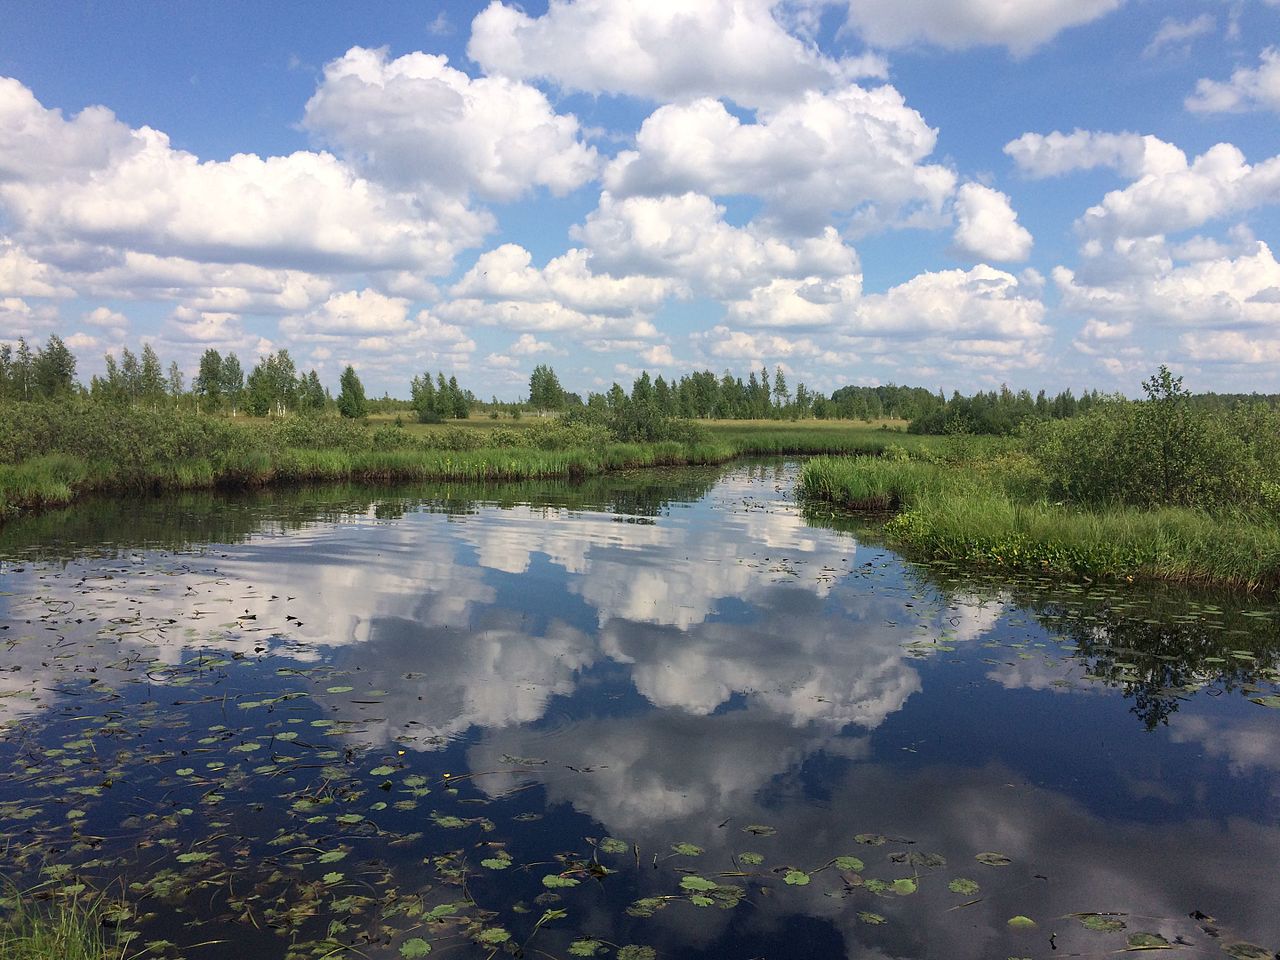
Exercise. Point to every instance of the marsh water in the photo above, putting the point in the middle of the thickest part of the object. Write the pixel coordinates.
(662, 714)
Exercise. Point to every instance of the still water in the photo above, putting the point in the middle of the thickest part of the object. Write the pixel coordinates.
(661, 714)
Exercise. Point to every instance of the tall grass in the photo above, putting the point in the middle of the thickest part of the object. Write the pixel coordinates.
(986, 513)
(70, 929)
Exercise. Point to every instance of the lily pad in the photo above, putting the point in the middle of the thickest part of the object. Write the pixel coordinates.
(1021, 923)
(697, 884)
(633, 952)
(1148, 941)
(872, 918)
(687, 849)
(612, 845)
(1246, 951)
(414, 947)
(904, 887)
(553, 881)
(751, 859)
(586, 948)
(1101, 923)
(993, 859)
(963, 886)
(759, 830)
(871, 839)
(797, 878)
(850, 863)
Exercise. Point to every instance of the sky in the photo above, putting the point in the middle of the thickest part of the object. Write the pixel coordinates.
(954, 194)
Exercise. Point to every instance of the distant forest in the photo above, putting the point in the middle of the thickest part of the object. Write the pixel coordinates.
(275, 387)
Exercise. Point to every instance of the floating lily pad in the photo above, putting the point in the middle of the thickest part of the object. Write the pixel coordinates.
(850, 863)
(586, 948)
(963, 886)
(414, 947)
(1021, 923)
(1102, 923)
(687, 849)
(1247, 951)
(871, 839)
(633, 952)
(697, 884)
(751, 859)
(904, 887)
(759, 830)
(1148, 941)
(993, 859)
(872, 918)
(613, 845)
(797, 878)
(553, 881)
(493, 936)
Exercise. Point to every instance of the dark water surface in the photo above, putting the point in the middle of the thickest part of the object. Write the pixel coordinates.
(659, 714)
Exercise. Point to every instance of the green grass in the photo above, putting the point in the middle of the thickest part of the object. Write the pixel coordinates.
(986, 514)
(69, 929)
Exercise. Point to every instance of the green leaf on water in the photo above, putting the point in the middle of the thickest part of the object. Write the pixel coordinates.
(332, 877)
(1148, 941)
(759, 830)
(382, 771)
(194, 857)
(751, 858)
(871, 839)
(850, 863)
(1021, 923)
(339, 689)
(349, 817)
(993, 859)
(1101, 923)
(698, 900)
(963, 886)
(904, 887)
(797, 878)
(633, 952)
(493, 936)
(1267, 702)
(496, 863)
(1246, 951)
(414, 947)
(185, 771)
(287, 736)
(331, 856)
(585, 948)
(871, 918)
(646, 906)
(612, 845)
(553, 881)
(696, 884)
(687, 849)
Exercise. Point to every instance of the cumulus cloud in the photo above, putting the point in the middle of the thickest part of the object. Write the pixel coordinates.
(21, 275)
(94, 180)
(1248, 89)
(958, 24)
(844, 153)
(686, 237)
(20, 319)
(507, 273)
(353, 313)
(987, 227)
(527, 345)
(1218, 183)
(416, 124)
(1206, 294)
(545, 316)
(1050, 155)
(663, 51)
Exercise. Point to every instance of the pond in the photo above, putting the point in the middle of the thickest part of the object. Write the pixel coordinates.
(662, 714)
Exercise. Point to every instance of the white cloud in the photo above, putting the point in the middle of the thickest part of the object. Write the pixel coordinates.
(1256, 89)
(808, 303)
(416, 124)
(1134, 155)
(544, 316)
(663, 50)
(1218, 183)
(20, 319)
(982, 303)
(352, 313)
(527, 345)
(686, 237)
(204, 328)
(849, 153)
(987, 227)
(507, 273)
(1179, 33)
(21, 275)
(92, 179)
(1205, 294)
(957, 24)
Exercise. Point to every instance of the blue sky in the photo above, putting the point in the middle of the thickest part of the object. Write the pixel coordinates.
(954, 193)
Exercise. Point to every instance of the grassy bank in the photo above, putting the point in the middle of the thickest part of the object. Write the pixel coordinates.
(51, 454)
(991, 512)
(66, 930)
